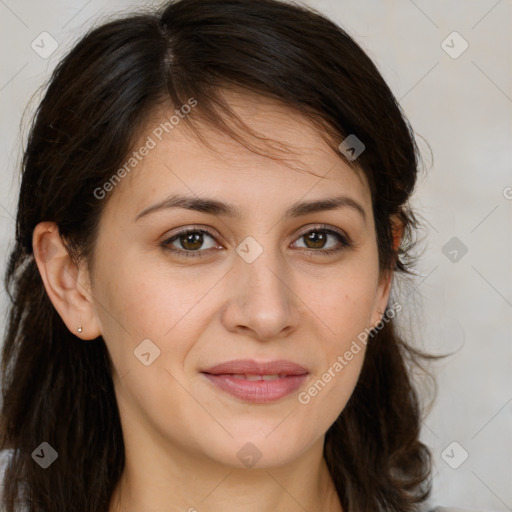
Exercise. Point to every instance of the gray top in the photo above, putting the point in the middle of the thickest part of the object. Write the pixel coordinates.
(455, 509)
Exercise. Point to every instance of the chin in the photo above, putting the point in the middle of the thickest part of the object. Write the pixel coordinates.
(258, 452)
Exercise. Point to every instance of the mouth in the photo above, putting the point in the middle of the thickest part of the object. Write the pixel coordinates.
(254, 377)
(257, 382)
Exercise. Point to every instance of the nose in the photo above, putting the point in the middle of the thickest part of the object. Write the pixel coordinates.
(262, 302)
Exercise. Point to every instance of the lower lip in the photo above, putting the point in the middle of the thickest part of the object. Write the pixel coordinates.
(257, 391)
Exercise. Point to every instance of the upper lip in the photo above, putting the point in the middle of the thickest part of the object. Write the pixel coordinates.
(250, 367)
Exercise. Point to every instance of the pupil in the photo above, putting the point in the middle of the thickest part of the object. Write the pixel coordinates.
(192, 240)
(318, 239)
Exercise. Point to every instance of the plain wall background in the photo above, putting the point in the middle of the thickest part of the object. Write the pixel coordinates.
(462, 107)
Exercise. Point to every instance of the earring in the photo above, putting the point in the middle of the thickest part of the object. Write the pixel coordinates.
(79, 328)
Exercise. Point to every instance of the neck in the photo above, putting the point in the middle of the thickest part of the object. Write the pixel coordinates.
(161, 483)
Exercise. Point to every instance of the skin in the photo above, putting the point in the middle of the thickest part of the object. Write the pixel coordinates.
(181, 433)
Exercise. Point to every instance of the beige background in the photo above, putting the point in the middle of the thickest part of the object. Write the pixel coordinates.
(461, 107)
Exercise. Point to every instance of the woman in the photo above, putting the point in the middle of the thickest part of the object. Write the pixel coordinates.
(213, 206)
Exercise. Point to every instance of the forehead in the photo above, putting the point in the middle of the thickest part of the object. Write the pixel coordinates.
(287, 159)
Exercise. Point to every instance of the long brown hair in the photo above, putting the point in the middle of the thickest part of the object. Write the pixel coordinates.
(59, 390)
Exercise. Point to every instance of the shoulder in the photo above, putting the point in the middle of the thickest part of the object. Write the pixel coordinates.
(5, 456)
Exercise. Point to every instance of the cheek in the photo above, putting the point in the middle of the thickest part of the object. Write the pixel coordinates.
(137, 302)
(329, 390)
(343, 306)
(141, 296)
(343, 300)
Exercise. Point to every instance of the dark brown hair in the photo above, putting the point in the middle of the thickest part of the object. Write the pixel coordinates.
(59, 389)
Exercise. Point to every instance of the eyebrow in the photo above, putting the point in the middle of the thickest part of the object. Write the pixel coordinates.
(215, 207)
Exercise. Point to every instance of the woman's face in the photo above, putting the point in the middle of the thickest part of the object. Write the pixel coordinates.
(253, 285)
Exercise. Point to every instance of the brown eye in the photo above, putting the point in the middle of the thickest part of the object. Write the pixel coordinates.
(189, 242)
(316, 240)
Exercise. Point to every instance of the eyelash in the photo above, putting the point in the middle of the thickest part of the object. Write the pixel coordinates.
(343, 240)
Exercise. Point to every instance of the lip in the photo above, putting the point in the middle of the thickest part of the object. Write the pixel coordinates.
(251, 367)
(291, 377)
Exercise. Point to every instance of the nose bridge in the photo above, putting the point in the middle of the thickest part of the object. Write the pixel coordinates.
(262, 270)
(261, 298)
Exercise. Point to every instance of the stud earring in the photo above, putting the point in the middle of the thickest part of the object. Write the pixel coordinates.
(79, 329)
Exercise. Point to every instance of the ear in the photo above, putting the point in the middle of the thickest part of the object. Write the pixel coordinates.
(67, 284)
(386, 279)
